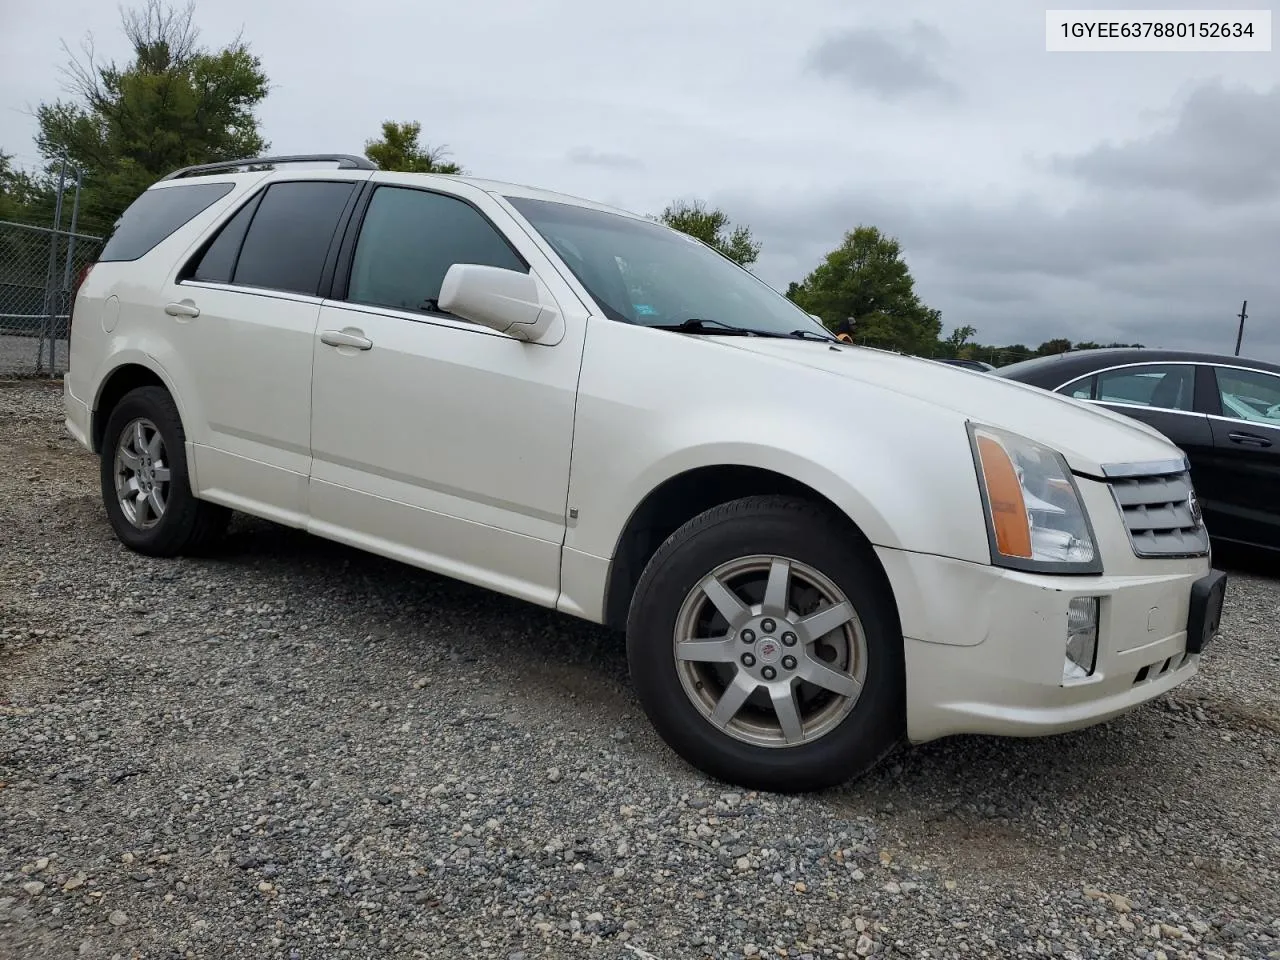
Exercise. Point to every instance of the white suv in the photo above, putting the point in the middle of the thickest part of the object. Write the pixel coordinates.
(816, 550)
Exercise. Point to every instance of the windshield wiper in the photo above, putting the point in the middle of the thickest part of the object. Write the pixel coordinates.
(811, 335)
(695, 325)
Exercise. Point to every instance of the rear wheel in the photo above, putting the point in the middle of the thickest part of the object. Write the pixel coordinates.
(145, 485)
(764, 647)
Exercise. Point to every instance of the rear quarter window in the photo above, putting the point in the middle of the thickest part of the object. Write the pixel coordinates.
(156, 215)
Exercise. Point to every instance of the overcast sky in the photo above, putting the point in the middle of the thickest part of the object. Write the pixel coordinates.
(1098, 196)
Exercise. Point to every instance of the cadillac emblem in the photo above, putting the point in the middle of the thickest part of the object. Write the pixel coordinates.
(1193, 504)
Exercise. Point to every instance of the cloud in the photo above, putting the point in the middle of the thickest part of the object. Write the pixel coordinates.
(890, 64)
(1224, 147)
(590, 157)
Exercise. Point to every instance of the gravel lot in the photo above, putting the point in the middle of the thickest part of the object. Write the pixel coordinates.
(295, 750)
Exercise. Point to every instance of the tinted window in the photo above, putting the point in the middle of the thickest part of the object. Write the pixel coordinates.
(1249, 395)
(290, 235)
(1168, 387)
(1081, 389)
(156, 214)
(410, 239)
(219, 261)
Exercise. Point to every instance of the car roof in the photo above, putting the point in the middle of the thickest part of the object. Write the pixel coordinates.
(1060, 368)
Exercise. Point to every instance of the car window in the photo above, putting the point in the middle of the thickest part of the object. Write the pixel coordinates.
(1081, 389)
(1249, 395)
(156, 214)
(219, 260)
(289, 236)
(1170, 387)
(410, 239)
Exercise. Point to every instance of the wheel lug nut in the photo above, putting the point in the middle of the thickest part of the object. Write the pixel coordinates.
(789, 663)
(748, 636)
(769, 673)
(748, 660)
(788, 639)
(767, 626)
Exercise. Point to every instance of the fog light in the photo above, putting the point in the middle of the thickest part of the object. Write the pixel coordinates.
(1082, 638)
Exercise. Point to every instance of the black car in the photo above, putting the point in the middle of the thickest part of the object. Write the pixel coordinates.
(1224, 412)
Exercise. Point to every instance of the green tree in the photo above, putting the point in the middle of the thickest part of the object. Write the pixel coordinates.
(174, 104)
(711, 226)
(399, 150)
(867, 279)
(15, 189)
(957, 344)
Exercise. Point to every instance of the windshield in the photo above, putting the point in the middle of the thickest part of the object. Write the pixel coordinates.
(645, 273)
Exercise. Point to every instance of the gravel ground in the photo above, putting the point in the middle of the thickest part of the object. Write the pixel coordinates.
(294, 750)
(18, 355)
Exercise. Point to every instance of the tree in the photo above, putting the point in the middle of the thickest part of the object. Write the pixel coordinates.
(712, 228)
(15, 189)
(954, 345)
(867, 279)
(175, 104)
(399, 150)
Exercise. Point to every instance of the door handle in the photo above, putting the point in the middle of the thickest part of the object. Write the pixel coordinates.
(1249, 439)
(183, 308)
(340, 338)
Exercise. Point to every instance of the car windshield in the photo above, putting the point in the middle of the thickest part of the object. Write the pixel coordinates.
(645, 273)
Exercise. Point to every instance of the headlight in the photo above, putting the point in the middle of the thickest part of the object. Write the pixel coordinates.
(1035, 520)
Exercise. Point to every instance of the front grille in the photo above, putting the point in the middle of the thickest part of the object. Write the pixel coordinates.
(1157, 513)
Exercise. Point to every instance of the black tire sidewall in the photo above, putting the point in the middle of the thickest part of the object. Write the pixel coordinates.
(802, 532)
(154, 404)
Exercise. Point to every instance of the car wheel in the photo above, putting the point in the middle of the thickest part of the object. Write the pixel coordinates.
(764, 646)
(145, 486)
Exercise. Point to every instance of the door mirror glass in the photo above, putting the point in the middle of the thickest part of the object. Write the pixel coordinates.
(508, 301)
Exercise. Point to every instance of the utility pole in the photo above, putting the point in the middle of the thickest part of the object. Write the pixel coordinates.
(1240, 333)
(50, 279)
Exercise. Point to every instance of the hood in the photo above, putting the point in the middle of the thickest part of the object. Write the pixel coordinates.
(1088, 436)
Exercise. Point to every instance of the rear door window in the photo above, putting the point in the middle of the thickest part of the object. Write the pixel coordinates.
(157, 214)
(289, 235)
(1249, 395)
(1168, 387)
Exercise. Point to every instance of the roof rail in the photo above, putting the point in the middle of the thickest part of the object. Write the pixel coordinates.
(345, 161)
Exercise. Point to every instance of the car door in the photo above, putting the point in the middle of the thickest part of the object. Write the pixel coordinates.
(435, 440)
(1246, 440)
(246, 315)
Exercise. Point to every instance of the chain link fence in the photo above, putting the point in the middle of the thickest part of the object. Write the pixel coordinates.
(39, 268)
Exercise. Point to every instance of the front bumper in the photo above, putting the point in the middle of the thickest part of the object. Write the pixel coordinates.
(985, 647)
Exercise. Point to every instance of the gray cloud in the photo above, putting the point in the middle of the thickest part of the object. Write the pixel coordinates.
(891, 64)
(1115, 266)
(590, 157)
(1223, 148)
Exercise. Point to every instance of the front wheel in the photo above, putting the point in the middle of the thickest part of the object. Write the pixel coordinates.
(764, 647)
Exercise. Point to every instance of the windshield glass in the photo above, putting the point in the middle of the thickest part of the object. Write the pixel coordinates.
(645, 273)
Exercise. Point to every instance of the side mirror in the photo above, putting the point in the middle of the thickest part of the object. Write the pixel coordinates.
(508, 301)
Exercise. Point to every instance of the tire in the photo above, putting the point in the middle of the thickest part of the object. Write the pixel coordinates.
(841, 735)
(185, 525)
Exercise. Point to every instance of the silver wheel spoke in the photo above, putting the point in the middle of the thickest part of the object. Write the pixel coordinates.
(139, 438)
(155, 501)
(718, 650)
(829, 618)
(778, 587)
(734, 696)
(784, 704)
(156, 446)
(130, 460)
(724, 600)
(823, 676)
(161, 474)
(141, 507)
